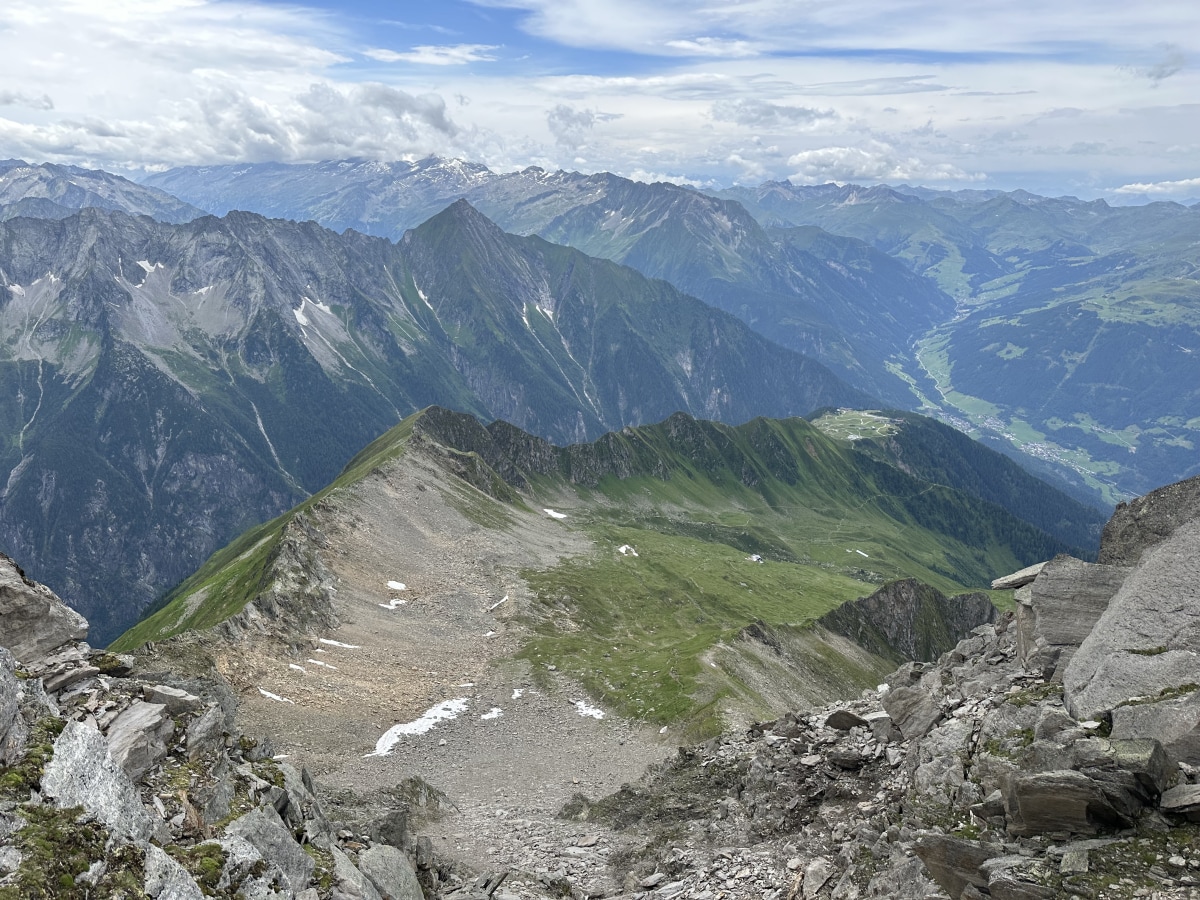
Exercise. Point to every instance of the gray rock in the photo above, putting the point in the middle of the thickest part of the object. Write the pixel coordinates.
(844, 720)
(1068, 598)
(174, 699)
(167, 879)
(263, 829)
(954, 863)
(1144, 643)
(348, 882)
(1017, 579)
(33, 621)
(1142, 523)
(138, 737)
(10, 859)
(912, 710)
(1182, 800)
(940, 756)
(82, 773)
(206, 732)
(816, 874)
(391, 872)
(1058, 801)
(13, 731)
(1175, 722)
(906, 619)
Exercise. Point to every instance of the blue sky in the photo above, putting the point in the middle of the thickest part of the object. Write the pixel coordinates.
(1089, 97)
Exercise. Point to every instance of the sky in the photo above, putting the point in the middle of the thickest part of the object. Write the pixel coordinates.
(1086, 97)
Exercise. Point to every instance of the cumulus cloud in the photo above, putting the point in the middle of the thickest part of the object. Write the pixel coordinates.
(435, 55)
(877, 163)
(761, 114)
(1159, 188)
(571, 126)
(17, 98)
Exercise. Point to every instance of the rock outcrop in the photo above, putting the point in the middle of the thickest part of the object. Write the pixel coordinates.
(1050, 754)
(906, 619)
(33, 621)
(113, 785)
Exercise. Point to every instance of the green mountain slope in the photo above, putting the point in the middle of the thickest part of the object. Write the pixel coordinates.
(705, 538)
(169, 385)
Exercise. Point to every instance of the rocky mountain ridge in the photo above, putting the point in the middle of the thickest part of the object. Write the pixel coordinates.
(993, 772)
(169, 386)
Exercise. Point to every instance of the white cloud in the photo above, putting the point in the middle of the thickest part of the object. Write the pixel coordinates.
(710, 46)
(1160, 188)
(878, 162)
(756, 113)
(570, 126)
(431, 55)
(17, 98)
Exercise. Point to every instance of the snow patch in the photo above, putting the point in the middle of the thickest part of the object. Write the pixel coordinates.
(626, 550)
(554, 515)
(443, 712)
(495, 713)
(17, 290)
(499, 602)
(491, 634)
(339, 644)
(754, 558)
(324, 665)
(276, 697)
(586, 709)
(146, 264)
(517, 692)
(394, 604)
(395, 585)
(297, 668)
(860, 553)
(298, 312)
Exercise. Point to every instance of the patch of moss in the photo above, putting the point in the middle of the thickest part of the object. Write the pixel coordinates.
(19, 780)
(323, 874)
(204, 863)
(58, 847)
(1148, 651)
(1035, 694)
(1168, 693)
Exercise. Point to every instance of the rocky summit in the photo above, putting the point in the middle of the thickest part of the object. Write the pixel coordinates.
(1053, 752)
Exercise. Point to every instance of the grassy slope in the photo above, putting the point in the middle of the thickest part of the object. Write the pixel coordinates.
(640, 631)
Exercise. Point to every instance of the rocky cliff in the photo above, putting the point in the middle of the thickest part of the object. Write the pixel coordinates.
(1054, 753)
(113, 785)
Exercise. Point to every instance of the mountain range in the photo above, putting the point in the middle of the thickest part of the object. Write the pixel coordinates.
(1055, 329)
(170, 385)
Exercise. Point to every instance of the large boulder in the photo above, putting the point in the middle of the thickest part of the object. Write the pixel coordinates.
(263, 829)
(82, 773)
(33, 621)
(1059, 609)
(1142, 651)
(138, 737)
(391, 872)
(1142, 523)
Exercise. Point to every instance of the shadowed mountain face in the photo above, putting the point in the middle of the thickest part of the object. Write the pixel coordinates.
(167, 386)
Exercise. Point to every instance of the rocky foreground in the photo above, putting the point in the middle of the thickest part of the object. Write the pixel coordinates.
(1053, 753)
